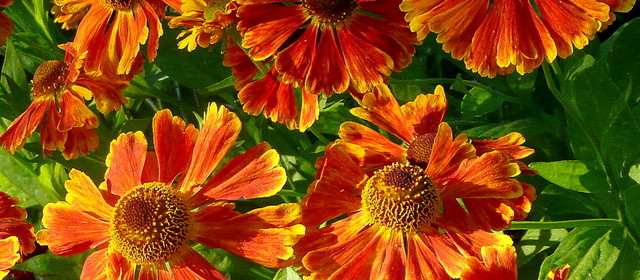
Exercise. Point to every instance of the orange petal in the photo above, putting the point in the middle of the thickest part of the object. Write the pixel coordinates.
(192, 265)
(173, 142)
(265, 38)
(295, 60)
(71, 231)
(498, 262)
(80, 141)
(447, 153)
(381, 108)
(84, 196)
(366, 64)
(326, 59)
(51, 138)
(470, 241)
(561, 273)
(251, 175)
(421, 260)
(95, 266)
(390, 262)
(309, 112)
(9, 208)
(125, 162)
(488, 176)
(106, 92)
(93, 35)
(155, 31)
(357, 134)
(264, 235)
(426, 112)
(219, 132)
(25, 124)
(75, 113)
(9, 255)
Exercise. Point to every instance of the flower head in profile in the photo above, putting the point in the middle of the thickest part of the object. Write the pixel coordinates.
(498, 37)
(206, 21)
(16, 235)
(60, 89)
(277, 100)
(113, 30)
(153, 203)
(358, 42)
(6, 25)
(497, 262)
(416, 210)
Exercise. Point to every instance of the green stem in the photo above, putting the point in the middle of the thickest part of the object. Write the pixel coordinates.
(319, 135)
(505, 97)
(565, 224)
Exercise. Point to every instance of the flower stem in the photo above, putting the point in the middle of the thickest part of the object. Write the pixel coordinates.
(565, 224)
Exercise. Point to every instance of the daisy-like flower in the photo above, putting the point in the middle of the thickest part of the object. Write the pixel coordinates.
(560, 273)
(497, 262)
(60, 89)
(277, 100)
(206, 21)
(414, 211)
(152, 204)
(6, 25)
(16, 235)
(358, 42)
(69, 21)
(113, 30)
(498, 37)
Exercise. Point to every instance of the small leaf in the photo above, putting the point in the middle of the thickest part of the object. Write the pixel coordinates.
(23, 174)
(591, 252)
(572, 175)
(287, 274)
(634, 173)
(50, 266)
(479, 102)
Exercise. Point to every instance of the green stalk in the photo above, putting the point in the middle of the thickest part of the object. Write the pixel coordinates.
(520, 225)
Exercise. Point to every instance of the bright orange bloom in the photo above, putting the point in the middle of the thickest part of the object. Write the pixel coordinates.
(60, 89)
(113, 30)
(561, 273)
(6, 25)
(269, 94)
(69, 19)
(152, 204)
(498, 37)
(206, 20)
(497, 262)
(16, 235)
(358, 42)
(414, 211)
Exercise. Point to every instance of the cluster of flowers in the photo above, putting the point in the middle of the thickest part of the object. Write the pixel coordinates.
(424, 209)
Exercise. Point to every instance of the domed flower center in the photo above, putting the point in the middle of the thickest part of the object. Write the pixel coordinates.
(330, 11)
(50, 76)
(419, 150)
(401, 197)
(120, 5)
(150, 224)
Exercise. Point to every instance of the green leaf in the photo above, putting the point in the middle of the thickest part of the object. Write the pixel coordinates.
(628, 264)
(26, 176)
(634, 173)
(479, 102)
(50, 266)
(591, 253)
(535, 241)
(287, 274)
(630, 198)
(234, 266)
(572, 175)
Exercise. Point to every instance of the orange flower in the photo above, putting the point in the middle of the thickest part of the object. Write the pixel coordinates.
(561, 273)
(206, 20)
(269, 94)
(60, 89)
(498, 262)
(498, 37)
(69, 19)
(359, 42)
(112, 31)
(6, 25)
(16, 235)
(152, 204)
(410, 212)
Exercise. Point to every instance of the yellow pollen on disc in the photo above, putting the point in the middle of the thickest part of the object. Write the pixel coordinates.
(401, 197)
(419, 151)
(150, 224)
(330, 11)
(50, 76)
(120, 5)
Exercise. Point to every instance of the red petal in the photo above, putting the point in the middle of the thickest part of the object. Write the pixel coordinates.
(24, 126)
(265, 38)
(450, 153)
(192, 265)
(365, 63)
(125, 162)
(75, 113)
(327, 59)
(173, 142)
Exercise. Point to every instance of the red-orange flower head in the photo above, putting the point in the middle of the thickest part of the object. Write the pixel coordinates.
(413, 211)
(153, 203)
(69, 19)
(359, 42)
(6, 25)
(60, 89)
(206, 21)
(16, 235)
(112, 31)
(498, 37)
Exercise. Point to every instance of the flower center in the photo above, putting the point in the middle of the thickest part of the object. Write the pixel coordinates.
(401, 197)
(330, 11)
(50, 76)
(150, 224)
(419, 150)
(120, 5)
